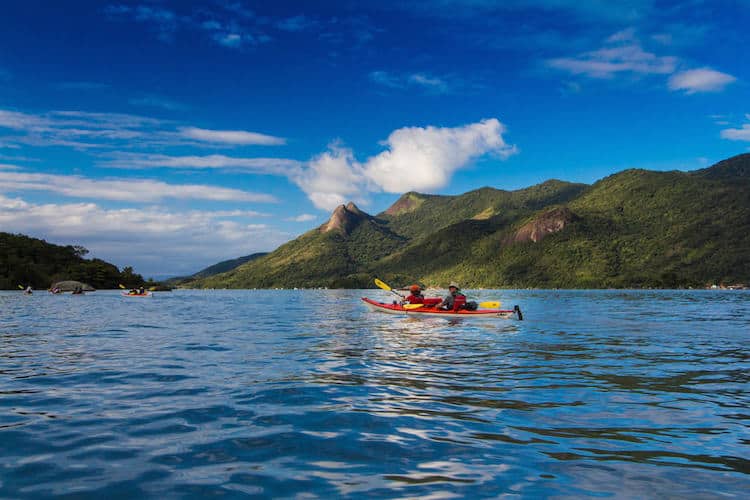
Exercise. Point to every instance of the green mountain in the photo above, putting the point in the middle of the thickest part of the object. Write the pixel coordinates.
(636, 228)
(31, 261)
(221, 267)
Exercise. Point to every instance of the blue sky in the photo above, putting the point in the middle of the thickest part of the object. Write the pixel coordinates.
(169, 135)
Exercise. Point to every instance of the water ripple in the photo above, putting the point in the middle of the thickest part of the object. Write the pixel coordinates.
(596, 393)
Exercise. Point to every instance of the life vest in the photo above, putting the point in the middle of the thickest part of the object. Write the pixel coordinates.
(459, 301)
(415, 299)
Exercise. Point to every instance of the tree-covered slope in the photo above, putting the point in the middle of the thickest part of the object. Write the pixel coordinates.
(31, 261)
(636, 228)
(632, 229)
(417, 215)
(332, 255)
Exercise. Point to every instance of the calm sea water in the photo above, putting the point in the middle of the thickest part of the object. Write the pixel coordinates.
(306, 393)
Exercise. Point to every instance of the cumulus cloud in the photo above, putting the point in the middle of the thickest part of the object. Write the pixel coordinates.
(145, 238)
(416, 158)
(140, 190)
(426, 158)
(700, 80)
(331, 178)
(240, 137)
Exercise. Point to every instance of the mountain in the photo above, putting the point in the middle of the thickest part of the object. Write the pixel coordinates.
(221, 267)
(328, 256)
(31, 261)
(636, 228)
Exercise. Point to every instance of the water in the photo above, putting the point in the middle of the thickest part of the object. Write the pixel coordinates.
(207, 393)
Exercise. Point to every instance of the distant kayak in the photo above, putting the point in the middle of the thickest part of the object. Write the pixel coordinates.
(146, 294)
(390, 308)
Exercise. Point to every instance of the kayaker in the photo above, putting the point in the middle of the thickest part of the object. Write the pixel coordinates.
(416, 296)
(455, 300)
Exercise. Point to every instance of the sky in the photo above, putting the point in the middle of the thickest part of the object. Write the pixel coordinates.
(170, 135)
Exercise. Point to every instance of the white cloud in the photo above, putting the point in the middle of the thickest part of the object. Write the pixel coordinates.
(272, 166)
(737, 134)
(425, 158)
(302, 218)
(153, 240)
(429, 82)
(332, 178)
(84, 130)
(72, 128)
(231, 136)
(616, 58)
(700, 80)
(416, 159)
(140, 190)
(424, 81)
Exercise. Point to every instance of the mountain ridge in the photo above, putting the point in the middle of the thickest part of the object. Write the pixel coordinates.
(634, 228)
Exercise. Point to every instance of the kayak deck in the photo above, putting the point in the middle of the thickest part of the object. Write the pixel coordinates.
(147, 294)
(390, 308)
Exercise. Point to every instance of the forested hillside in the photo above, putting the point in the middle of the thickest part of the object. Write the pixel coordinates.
(31, 261)
(636, 228)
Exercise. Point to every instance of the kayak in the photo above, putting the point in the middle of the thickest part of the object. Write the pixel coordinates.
(390, 308)
(146, 294)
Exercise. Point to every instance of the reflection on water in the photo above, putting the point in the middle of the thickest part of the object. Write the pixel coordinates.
(285, 393)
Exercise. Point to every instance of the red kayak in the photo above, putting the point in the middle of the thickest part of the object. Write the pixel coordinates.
(390, 308)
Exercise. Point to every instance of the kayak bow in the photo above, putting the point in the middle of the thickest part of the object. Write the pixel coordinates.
(390, 308)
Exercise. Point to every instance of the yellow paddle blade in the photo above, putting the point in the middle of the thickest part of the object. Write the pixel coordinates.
(490, 305)
(413, 306)
(382, 285)
(121, 286)
(22, 288)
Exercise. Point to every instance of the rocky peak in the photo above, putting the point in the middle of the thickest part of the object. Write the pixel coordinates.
(550, 222)
(344, 219)
(407, 203)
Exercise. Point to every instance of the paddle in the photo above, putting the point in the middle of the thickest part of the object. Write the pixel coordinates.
(490, 305)
(121, 286)
(412, 306)
(21, 288)
(386, 287)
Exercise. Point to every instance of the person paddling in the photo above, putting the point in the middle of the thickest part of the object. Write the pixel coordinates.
(416, 296)
(455, 300)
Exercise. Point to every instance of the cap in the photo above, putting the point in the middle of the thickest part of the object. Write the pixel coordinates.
(415, 288)
(454, 285)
